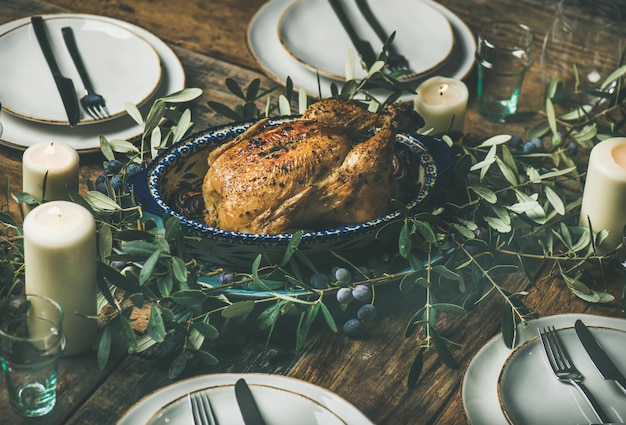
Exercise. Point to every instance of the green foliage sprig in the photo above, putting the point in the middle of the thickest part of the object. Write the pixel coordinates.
(504, 209)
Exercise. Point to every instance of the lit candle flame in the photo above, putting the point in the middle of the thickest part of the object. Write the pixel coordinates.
(55, 211)
(442, 89)
(49, 149)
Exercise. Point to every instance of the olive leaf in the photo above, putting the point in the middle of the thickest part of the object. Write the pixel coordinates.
(304, 324)
(508, 327)
(178, 365)
(129, 333)
(238, 309)
(206, 357)
(156, 326)
(443, 349)
(189, 297)
(416, 368)
(206, 329)
(104, 348)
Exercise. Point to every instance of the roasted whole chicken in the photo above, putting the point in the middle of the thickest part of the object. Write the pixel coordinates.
(332, 167)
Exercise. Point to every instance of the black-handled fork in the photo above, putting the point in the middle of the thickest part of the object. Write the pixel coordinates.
(564, 370)
(363, 47)
(93, 103)
(397, 62)
(201, 409)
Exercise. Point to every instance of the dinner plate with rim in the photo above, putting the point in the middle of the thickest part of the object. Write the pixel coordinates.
(20, 133)
(311, 32)
(480, 382)
(278, 64)
(530, 394)
(281, 400)
(122, 66)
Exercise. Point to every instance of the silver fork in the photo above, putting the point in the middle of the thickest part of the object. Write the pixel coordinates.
(565, 370)
(201, 409)
(92, 102)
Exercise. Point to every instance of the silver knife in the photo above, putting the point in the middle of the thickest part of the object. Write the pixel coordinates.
(603, 362)
(64, 85)
(247, 405)
(363, 47)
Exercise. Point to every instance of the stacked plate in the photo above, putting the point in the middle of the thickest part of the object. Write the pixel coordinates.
(281, 400)
(302, 39)
(125, 63)
(503, 386)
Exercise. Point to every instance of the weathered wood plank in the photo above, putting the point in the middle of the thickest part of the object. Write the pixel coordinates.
(210, 39)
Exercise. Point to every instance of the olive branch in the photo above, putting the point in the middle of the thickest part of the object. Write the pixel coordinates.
(508, 204)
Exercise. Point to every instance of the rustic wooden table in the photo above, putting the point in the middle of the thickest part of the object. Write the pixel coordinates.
(210, 39)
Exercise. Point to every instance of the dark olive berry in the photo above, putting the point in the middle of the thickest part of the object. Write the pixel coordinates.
(362, 292)
(102, 188)
(116, 182)
(114, 166)
(515, 141)
(571, 149)
(133, 169)
(366, 312)
(226, 277)
(353, 327)
(344, 295)
(343, 275)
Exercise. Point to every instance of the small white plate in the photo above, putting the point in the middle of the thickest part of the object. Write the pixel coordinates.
(122, 66)
(20, 133)
(281, 400)
(312, 33)
(278, 63)
(480, 383)
(530, 393)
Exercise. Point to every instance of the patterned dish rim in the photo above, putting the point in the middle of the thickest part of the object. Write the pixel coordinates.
(429, 147)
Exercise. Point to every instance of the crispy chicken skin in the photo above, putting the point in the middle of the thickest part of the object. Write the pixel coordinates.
(311, 173)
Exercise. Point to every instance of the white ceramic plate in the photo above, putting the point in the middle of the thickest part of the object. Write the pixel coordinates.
(480, 383)
(278, 63)
(312, 33)
(20, 133)
(526, 382)
(282, 401)
(122, 66)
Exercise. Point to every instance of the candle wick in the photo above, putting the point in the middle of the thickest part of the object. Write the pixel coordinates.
(50, 149)
(55, 211)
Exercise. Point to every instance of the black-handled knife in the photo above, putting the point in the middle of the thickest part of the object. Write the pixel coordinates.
(64, 85)
(603, 362)
(363, 47)
(248, 407)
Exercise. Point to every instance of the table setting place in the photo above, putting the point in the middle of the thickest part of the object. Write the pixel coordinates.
(282, 38)
(121, 61)
(247, 399)
(186, 244)
(520, 386)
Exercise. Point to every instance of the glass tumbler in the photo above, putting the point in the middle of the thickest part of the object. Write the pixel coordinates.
(31, 342)
(583, 45)
(503, 55)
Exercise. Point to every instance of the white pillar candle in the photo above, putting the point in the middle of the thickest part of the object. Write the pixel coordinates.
(604, 196)
(442, 103)
(60, 161)
(60, 263)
